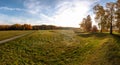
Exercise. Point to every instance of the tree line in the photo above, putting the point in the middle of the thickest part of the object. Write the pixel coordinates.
(49, 27)
(30, 27)
(108, 18)
(16, 27)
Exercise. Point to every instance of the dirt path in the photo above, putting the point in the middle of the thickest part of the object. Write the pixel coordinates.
(15, 37)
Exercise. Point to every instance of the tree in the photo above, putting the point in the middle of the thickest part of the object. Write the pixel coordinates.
(106, 21)
(16, 27)
(100, 12)
(86, 24)
(82, 25)
(118, 15)
(110, 7)
(94, 28)
(27, 27)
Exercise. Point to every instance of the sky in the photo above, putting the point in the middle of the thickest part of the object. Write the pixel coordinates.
(66, 13)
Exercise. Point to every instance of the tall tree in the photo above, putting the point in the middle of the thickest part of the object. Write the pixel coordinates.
(118, 15)
(111, 9)
(86, 24)
(82, 24)
(27, 27)
(100, 12)
(106, 20)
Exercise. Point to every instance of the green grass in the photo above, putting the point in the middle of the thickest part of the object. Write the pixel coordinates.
(9, 34)
(62, 47)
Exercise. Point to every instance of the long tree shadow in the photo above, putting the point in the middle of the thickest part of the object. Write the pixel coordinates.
(116, 37)
(99, 35)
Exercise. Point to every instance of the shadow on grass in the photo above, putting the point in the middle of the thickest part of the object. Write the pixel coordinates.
(116, 37)
(99, 35)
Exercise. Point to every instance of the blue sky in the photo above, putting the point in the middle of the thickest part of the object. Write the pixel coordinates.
(50, 12)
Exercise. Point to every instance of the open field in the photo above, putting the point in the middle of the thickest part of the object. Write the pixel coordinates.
(9, 34)
(62, 47)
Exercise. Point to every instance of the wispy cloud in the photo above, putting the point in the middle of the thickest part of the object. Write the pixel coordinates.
(70, 13)
(11, 9)
(33, 6)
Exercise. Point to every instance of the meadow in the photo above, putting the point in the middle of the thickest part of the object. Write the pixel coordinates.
(62, 47)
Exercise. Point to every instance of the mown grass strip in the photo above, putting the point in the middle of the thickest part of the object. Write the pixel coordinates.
(9, 34)
(15, 37)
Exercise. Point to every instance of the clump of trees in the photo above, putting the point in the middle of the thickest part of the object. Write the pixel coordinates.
(108, 17)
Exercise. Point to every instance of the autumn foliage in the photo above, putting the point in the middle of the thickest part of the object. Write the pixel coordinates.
(86, 24)
(32, 27)
(16, 27)
(94, 28)
(108, 17)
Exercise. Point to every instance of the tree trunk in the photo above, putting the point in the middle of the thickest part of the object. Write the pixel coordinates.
(119, 30)
(101, 29)
(111, 28)
(101, 25)
(111, 21)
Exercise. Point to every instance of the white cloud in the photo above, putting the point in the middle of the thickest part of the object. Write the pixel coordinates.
(11, 9)
(71, 13)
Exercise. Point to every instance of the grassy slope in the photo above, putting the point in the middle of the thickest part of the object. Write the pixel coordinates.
(62, 48)
(9, 34)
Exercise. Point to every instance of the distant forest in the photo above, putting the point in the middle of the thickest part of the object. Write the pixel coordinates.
(30, 27)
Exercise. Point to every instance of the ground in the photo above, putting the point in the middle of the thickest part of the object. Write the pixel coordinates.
(62, 47)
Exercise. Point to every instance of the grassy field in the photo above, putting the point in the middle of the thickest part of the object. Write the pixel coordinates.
(62, 47)
(9, 34)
